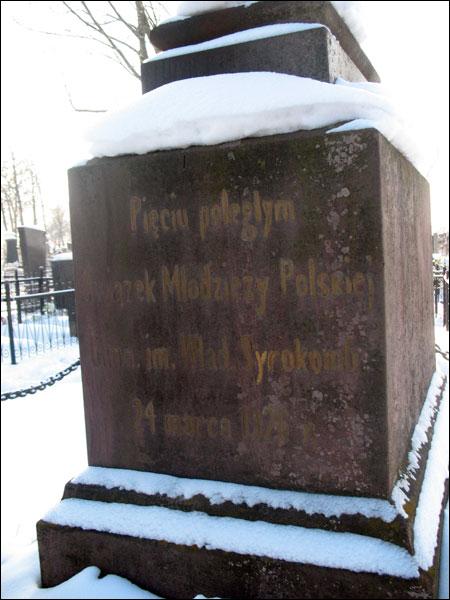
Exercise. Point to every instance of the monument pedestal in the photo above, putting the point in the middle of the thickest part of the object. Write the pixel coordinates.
(256, 313)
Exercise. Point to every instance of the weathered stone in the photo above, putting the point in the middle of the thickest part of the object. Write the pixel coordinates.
(33, 249)
(313, 53)
(179, 571)
(243, 319)
(207, 26)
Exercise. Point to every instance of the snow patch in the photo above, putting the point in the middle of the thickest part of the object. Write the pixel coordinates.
(285, 542)
(249, 35)
(62, 256)
(218, 492)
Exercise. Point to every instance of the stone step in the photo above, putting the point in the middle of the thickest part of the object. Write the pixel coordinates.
(179, 555)
(207, 26)
(313, 53)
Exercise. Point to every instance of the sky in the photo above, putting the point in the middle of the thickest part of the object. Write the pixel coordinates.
(406, 41)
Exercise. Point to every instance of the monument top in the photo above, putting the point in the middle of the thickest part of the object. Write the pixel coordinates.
(206, 26)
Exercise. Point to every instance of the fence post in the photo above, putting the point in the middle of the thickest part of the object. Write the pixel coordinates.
(19, 307)
(445, 286)
(41, 288)
(10, 324)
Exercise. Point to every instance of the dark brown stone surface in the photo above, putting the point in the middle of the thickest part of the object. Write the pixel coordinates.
(409, 316)
(33, 249)
(232, 310)
(313, 53)
(175, 571)
(207, 26)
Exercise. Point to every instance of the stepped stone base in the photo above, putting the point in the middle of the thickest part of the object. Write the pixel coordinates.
(176, 570)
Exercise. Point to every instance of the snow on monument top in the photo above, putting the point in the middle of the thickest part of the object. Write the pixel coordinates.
(223, 108)
(187, 9)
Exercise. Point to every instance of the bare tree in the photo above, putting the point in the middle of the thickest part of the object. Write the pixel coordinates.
(20, 191)
(59, 228)
(121, 28)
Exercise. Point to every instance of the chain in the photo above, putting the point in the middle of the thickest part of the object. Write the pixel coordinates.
(44, 384)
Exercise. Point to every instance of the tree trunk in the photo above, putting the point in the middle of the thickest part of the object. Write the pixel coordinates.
(33, 198)
(141, 30)
(4, 217)
(17, 191)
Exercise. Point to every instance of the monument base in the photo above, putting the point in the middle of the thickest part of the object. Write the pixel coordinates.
(183, 571)
(179, 537)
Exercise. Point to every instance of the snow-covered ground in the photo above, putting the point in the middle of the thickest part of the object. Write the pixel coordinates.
(43, 446)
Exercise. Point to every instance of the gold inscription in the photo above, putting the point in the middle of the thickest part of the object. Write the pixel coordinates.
(315, 283)
(254, 217)
(156, 221)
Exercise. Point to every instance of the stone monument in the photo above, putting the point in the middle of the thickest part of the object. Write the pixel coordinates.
(33, 249)
(258, 313)
(11, 248)
(63, 279)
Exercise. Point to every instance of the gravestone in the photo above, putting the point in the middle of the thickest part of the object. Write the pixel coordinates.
(63, 279)
(33, 250)
(260, 313)
(11, 248)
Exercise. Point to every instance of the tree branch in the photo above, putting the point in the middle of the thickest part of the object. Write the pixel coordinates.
(118, 51)
(89, 110)
(132, 28)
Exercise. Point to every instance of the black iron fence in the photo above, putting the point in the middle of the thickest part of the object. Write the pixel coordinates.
(440, 284)
(35, 318)
(445, 299)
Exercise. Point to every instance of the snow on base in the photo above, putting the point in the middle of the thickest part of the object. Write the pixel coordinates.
(223, 108)
(286, 542)
(426, 524)
(218, 492)
(248, 35)
(401, 488)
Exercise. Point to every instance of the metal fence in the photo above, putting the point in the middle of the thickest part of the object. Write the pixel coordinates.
(35, 318)
(445, 300)
(440, 283)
